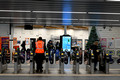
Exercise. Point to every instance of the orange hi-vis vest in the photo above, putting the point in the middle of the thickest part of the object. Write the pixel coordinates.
(39, 47)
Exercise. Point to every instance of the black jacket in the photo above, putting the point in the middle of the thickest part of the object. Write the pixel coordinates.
(23, 46)
(96, 54)
(57, 45)
(50, 46)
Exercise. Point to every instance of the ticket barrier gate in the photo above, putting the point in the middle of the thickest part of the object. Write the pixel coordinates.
(63, 60)
(32, 62)
(61, 63)
(51, 56)
(17, 62)
(47, 63)
(118, 54)
(76, 61)
(48, 60)
(90, 64)
(3, 63)
(104, 62)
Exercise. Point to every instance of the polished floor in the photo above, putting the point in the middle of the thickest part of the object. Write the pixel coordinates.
(68, 69)
(59, 78)
(54, 73)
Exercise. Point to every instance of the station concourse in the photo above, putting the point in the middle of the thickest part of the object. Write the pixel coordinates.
(59, 39)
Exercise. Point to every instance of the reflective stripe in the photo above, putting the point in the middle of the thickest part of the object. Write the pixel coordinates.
(38, 47)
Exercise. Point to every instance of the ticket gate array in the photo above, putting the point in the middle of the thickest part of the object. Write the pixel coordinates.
(103, 62)
(110, 58)
(18, 60)
(3, 61)
(63, 59)
(50, 58)
(113, 57)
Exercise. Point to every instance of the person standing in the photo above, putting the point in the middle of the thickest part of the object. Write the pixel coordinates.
(58, 46)
(39, 54)
(96, 54)
(23, 46)
(50, 46)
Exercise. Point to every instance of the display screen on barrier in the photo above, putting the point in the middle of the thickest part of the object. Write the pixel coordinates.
(111, 52)
(118, 52)
(66, 43)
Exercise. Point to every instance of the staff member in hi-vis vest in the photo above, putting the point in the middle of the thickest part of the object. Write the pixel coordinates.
(39, 54)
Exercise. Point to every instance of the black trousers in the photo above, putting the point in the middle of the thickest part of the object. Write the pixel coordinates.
(95, 61)
(39, 61)
(95, 64)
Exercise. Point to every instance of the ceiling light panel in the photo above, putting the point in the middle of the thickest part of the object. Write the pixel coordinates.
(99, 20)
(15, 18)
(113, 0)
(59, 12)
(103, 13)
(14, 11)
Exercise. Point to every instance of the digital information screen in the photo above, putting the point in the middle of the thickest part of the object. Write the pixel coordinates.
(66, 43)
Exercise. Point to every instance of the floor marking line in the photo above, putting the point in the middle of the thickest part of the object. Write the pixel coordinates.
(59, 75)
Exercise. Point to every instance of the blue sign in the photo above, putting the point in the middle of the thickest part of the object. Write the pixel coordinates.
(67, 8)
